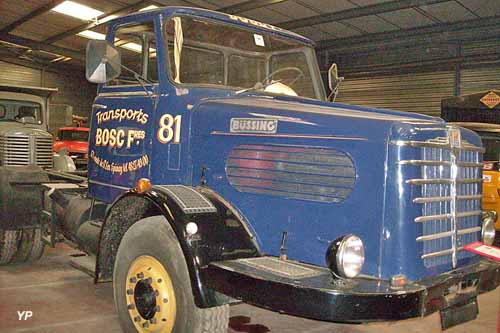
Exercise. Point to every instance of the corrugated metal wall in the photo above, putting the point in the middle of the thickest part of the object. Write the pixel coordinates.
(479, 79)
(74, 91)
(413, 92)
(19, 75)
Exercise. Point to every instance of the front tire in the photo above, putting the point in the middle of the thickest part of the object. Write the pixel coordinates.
(152, 288)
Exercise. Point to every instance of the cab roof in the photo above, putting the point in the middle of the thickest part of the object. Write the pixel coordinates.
(30, 90)
(210, 14)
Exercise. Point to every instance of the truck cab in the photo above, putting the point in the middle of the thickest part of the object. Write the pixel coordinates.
(218, 170)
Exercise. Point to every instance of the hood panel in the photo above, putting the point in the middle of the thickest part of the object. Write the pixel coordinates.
(317, 151)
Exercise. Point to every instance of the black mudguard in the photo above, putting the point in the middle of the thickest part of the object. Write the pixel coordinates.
(21, 196)
(222, 232)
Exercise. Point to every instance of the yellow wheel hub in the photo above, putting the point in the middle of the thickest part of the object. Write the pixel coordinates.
(150, 296)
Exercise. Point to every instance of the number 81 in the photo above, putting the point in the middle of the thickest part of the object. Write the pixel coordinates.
(169, 128)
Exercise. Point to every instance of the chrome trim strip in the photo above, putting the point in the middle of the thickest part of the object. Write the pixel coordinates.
(470, 197)
(471, 213)
(433, 217)
(444, 145)
(431, 199)
(434, 236)
(468, 230)
(454, 157)
(301, 136)
(125, 93)
(441, 199)
(469, 180)
(421, 144)
(109, 185)
(424, 162)
(429, 181)
(440, 253)
(470, 164)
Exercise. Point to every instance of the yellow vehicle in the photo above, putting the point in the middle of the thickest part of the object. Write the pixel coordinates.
(480, 112)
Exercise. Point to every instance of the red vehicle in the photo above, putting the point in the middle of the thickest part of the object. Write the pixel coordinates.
(76, 141)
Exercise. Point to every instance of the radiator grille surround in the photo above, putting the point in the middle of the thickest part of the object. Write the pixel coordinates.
(448, 198)
(26, 149)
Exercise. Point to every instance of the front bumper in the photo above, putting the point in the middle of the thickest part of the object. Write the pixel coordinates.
(320, 296)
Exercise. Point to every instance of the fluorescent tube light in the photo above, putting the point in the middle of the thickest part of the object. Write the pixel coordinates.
(77, 10)
(92, 35)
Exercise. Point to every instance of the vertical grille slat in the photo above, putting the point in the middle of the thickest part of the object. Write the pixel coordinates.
(22, 150)
(450, 201)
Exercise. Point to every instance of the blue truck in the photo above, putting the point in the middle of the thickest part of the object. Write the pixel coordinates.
(219, 170)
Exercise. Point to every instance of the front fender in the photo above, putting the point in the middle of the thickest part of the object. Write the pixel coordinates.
(222, 232)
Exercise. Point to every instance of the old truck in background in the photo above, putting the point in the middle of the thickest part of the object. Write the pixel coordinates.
(219, 170)
(480, 112)
(25, 149)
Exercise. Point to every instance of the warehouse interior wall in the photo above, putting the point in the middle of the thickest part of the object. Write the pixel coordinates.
(411, 77)
(75, 95)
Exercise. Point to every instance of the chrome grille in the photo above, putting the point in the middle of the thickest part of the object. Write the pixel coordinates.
(43, 152)
(448, 194)
(20, 150)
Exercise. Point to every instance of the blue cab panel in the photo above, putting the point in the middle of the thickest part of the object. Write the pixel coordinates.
(315, 169)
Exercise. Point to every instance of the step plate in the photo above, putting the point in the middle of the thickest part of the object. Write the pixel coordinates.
(279, 267)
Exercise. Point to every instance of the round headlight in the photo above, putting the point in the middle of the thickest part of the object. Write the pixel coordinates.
(345, 256)
(488, 229)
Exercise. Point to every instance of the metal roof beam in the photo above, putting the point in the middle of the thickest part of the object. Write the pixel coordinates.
(87, 26)
(249, 5)
(422, 33)
(42, 46)
(37, 12)
(380, 8)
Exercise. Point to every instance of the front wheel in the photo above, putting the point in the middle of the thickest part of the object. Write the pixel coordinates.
(152, 288)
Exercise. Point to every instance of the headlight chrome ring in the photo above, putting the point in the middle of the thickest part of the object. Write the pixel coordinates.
(345, 256)
(488, 227)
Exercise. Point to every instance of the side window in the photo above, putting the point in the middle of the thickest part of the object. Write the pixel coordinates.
(137, 44)
(3, 111)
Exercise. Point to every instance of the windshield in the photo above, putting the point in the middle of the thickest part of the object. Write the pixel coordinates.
(21, 111)
(69, 135)
(203, 52)
(491, 143)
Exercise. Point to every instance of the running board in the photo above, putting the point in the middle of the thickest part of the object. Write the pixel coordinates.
(84, 263)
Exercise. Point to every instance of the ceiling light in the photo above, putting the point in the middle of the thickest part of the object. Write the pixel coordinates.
(148, 8)
(77, 10)
(92, 35)
(138, 48)
(132, 47)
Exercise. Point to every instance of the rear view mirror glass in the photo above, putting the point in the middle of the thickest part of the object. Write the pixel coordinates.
(103, 61)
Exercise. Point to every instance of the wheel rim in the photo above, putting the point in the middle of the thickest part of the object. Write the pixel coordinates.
(150, 296)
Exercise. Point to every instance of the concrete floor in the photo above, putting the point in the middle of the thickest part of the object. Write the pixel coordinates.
(64, 299)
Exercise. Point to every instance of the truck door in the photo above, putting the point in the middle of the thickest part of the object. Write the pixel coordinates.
(120, 138)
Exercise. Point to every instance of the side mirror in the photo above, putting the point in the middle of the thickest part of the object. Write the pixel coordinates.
(333, 77)
(334, 81)
(103, 61)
